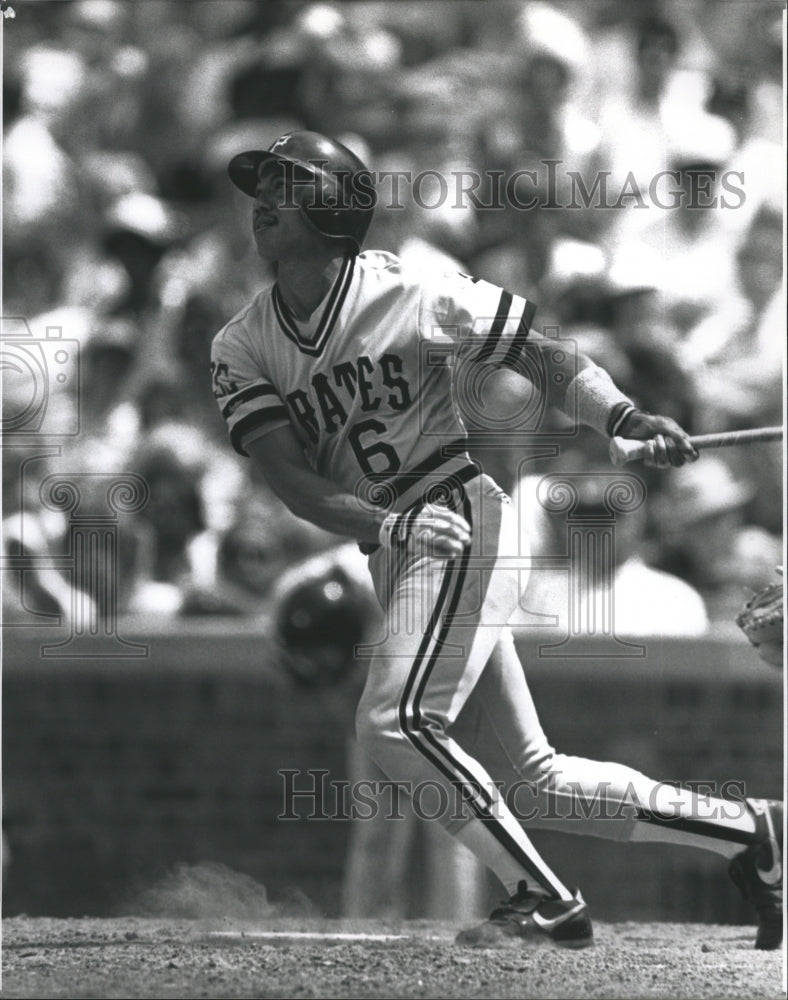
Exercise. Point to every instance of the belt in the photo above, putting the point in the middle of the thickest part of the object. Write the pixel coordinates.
(432, 481)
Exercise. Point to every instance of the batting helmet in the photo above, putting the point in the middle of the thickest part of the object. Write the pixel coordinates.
(319, 624)
(340, 196)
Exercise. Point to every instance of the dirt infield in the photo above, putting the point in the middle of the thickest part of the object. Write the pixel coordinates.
(144, 957)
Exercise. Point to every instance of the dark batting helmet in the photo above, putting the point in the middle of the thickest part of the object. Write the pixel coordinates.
(319, 623)
(339, 196)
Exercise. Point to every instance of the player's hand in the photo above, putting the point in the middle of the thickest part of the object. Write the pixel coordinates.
(444, 533)
(666, 443)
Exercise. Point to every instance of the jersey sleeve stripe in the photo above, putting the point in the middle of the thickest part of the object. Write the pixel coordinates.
(501, 315)
(254, 421)
(517, 345)
(244, 396)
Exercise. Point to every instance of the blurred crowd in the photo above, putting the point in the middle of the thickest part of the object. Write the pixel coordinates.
(121, 228)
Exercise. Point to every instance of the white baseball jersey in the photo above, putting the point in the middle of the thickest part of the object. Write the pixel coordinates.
(365, 383)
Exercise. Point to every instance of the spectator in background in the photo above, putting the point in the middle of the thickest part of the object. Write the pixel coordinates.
(139, 229)
(191, 340)
(684, 231)
(105, 364)
(160, 400)
(668, 152)
(101, 407)
(120, 118)
(641, 328)
(441, 238)
(247, 564)
(40, 180)
(195, 491)
(39, 593)
(350, 69)
(115, 70)
(735, 354)
(746, 88)
(556, 59)
(645, 600)
(707, 541)
(543, 121)
(735, 361)
(256, 549)
(174, 511)
(637, 124)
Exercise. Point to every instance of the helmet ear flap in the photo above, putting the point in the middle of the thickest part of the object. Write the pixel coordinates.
(325, 206)
(328, 221)
(337, 195)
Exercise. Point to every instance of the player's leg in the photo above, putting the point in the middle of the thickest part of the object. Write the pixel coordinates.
(575, 794)
(443, 621)
(500, 725)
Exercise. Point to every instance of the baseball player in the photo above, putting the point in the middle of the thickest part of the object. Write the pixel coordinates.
(337, 381)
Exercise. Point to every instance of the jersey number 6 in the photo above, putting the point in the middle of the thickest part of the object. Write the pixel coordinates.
(366, 452)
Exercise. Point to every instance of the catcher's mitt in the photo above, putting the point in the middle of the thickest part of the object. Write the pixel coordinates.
(761, 620)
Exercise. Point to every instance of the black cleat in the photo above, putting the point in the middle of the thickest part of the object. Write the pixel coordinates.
(758, 872)
(534, 916)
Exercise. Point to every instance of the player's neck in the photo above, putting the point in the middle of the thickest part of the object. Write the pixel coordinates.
(304, 283)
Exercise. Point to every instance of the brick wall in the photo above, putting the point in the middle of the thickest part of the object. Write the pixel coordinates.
(115, 769)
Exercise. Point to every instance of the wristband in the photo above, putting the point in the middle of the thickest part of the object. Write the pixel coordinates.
(619, 415)
(593, 398)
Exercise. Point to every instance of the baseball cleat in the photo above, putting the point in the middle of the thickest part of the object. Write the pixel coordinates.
(758, 872)
(534, 916)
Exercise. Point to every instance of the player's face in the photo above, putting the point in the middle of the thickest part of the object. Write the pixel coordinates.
(280, 231)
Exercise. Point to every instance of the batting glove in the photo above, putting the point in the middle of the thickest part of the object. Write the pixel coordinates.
(666, 443)
(442, 531)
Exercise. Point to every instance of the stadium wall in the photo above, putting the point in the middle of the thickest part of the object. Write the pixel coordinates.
(115, 769)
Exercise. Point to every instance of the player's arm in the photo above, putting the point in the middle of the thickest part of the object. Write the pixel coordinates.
(583, 390)
(280, 459)
(587, 394)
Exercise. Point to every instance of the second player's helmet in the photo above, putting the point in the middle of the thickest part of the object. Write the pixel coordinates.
(338, 197)
(319, 623)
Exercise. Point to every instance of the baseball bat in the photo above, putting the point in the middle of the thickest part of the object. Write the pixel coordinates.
(623, 450)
